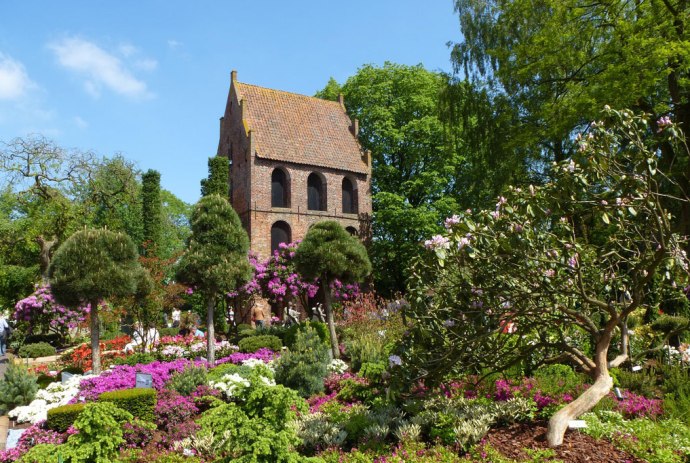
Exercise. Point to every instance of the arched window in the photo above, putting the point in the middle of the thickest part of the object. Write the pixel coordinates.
(351, 230)
(316, 193)
(349, 197)
(280, 189)
(280, 233)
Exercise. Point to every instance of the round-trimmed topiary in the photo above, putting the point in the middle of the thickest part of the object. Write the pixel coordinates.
(93, 265)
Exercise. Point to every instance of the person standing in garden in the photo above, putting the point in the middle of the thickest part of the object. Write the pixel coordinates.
(258, 317)
(4, 333)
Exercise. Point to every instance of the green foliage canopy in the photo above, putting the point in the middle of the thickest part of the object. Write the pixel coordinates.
(218, 180)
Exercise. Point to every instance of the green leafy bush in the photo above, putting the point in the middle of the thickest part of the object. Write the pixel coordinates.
(304, 367)
(367, 347)
(642, 382)
(254, 343)
(44, 380)
(39, 349)
(676, 386)
(136, 358)
(139, 402)
(61, 418)
(186, 381)
(557, 379)
(214, 374)
(243, 326)
(42, 453)
(100, 433)
(289, 335)
(18, 387)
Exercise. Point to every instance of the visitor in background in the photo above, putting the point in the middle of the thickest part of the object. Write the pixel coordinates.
(176, 314)
(184, 330)
(4, 333)
(258, 317)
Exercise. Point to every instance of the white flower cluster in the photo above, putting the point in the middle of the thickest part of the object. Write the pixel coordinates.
(55, 395)
(337, 366)
(231, 384)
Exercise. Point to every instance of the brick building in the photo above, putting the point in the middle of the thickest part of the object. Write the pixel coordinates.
(295, 160)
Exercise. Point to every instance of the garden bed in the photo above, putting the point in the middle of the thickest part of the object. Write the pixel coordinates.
(577, 447)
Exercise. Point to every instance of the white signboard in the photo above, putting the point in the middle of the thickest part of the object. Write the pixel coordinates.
(144, 380)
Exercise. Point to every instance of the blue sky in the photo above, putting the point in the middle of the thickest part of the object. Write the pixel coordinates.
(149, 79)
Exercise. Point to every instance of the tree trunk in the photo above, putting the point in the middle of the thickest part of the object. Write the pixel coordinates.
(558, 424)
(329, 318)
(95, 339)
(45, 255)
(210, 332)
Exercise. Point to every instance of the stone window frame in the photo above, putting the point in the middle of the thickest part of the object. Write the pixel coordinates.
(284, 225)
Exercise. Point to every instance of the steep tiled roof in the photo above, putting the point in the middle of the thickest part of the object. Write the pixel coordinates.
(300, 129)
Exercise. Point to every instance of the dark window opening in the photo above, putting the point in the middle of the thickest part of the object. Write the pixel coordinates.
(349, 197)
(280, 233)
(351, 230)
(316, 195)
(279, 189)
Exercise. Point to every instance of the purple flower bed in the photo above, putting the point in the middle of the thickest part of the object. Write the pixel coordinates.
(637, 406)
(124, 377)
(264, 354)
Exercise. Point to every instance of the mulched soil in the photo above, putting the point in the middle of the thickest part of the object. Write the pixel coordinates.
(577, 447)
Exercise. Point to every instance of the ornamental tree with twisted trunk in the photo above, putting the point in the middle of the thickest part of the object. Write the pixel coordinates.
(553, 272)
(215, 261)
(96, 265)
(329, 252)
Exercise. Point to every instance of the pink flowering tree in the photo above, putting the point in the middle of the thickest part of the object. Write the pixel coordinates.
(39, 312)
(277, 280)
(553, 272)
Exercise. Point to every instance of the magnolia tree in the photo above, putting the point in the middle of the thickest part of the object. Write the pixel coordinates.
(95, 265)
(215, 261)
(553, 272)
(330, 253)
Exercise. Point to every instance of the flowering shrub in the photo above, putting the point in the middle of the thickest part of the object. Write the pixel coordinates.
(124, 377)
(55, 395)
(337, 366)
(638, 406)
(40, 312)
(190, 347)
(264, 355)
(34, 435)
(81, 356)
(137, 433)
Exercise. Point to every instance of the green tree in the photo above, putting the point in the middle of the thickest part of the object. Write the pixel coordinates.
(429, 137)
(151, 210)
(558, 62)
(328, 252)
(216, 260)
(218, 181)
(92, 266)
(553, 272)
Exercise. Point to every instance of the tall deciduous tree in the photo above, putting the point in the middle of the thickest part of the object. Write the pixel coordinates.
(216, 260)
(557, 62)
(435, 150)
(329, 252)
(218, 180)
(553, 272)
(151, 210)
(92, 266)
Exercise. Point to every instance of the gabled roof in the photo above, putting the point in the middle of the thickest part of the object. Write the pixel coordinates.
(300, 129)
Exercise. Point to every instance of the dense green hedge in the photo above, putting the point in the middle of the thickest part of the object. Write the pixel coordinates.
(61, 418)
(140, 402)
(254, 343)
(39, 349)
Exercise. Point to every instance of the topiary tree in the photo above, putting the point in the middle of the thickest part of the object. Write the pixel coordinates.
(94, 265)
(218, 181)
(151, 211)
(329, 252)
(553, 272)
(215, 261)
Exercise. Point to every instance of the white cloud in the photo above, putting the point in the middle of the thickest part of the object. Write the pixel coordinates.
(14, 81)
(81, 123)
(146, 64)
(98, 67)
(174, 44)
